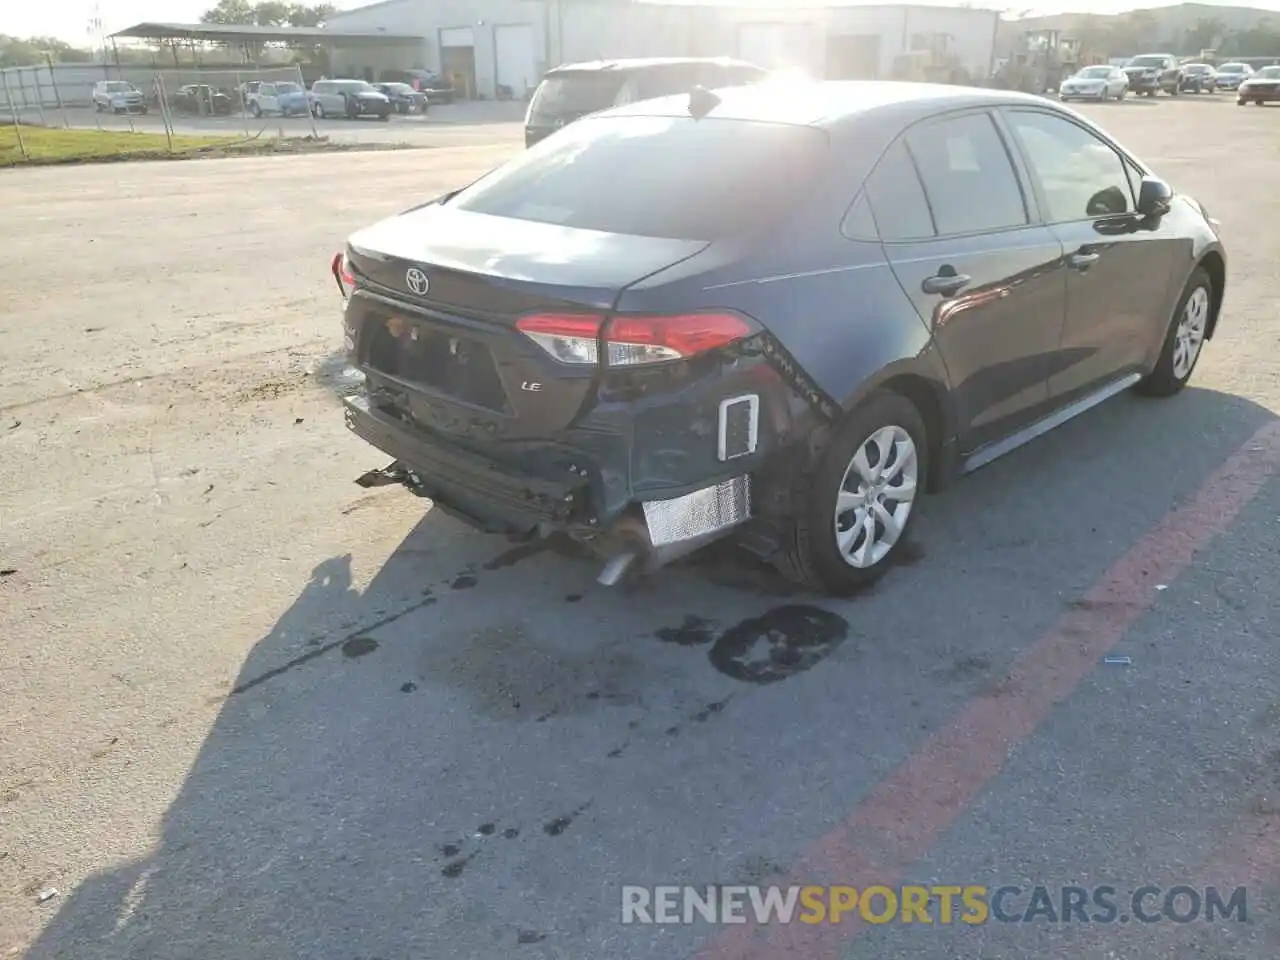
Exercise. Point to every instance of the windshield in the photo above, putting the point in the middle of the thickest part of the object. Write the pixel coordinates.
(668, 177)
(1146, 62)
(398, 87)
(119, 86)
(1094, 73)
(288, 88)
(356, 86)
(1232, 68)
(1197, 68)
(1267, 73)
(570, 95)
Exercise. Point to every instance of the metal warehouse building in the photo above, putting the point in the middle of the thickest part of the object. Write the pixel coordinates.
(485, 44)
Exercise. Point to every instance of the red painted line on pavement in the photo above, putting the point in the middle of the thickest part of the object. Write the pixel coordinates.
(908, 811)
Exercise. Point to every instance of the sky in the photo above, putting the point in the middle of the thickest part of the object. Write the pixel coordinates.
(69, 19)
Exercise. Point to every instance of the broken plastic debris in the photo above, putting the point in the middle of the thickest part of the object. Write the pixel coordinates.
(391, 473)
(47, 894)
(1118, 661)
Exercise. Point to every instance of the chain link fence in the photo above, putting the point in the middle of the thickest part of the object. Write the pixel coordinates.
(254, 102)
(249, 101)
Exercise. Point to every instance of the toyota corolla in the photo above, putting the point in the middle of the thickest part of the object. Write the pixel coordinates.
(778, 315)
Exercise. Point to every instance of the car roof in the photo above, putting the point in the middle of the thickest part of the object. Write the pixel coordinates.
(643, 63)
(831, 103)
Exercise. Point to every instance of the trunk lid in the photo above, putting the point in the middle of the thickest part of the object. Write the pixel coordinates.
(448, 353)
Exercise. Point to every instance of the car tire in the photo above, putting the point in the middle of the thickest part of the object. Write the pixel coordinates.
(256, 110)
(319, 111)
(1183, 340)
(828, 546)
(1241, 101)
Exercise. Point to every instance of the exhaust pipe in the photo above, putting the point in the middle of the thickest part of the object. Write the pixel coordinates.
(616, 567)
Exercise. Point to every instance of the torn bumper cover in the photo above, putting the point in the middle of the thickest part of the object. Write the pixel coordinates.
(501, 498)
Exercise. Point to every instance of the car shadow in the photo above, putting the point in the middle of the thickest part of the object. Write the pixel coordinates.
(458, 768)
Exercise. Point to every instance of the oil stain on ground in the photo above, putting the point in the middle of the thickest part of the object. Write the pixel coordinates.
(510, 672)
(693, 632)
(359, 647)
(778, 644)
(553, 828)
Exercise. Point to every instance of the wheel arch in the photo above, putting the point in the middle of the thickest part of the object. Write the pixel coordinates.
(1216, 266)
(927, 390)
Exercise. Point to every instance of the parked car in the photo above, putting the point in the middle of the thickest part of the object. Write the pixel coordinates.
(404, 99)
(201, 98)
(283, 97)
(1262, 86)
(1101, 82)
(348, 98)
(437, 89)
(118, 96)
(1198, 78)
(689, 366)
(1231, 75)
(577, 89)
(1153, 72)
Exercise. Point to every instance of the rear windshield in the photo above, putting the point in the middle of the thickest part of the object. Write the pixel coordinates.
(119, 86)
(1147, 62)
(1093, 73)
(1198, 68)
(570, 95)
(1268, 73)
(668, 177)
(1232, 68)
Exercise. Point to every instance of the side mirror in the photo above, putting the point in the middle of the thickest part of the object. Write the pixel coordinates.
(1154, 197)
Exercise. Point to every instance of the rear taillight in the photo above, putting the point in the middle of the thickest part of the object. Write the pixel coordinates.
(341, 268)
(630, 341)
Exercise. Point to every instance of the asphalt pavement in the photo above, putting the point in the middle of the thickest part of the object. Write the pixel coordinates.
(254, 710)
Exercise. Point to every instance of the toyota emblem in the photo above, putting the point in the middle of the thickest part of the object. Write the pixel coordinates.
(417, 281)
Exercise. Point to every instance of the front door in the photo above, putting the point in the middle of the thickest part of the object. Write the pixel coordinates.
(989, 284)
(1119, 265)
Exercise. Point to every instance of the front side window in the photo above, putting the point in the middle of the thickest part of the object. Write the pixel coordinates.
(1081, 176)
(666, 177)
(967, 175)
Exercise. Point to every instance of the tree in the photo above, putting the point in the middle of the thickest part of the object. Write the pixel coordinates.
(30, 51)
(269, 13)
(229, 11)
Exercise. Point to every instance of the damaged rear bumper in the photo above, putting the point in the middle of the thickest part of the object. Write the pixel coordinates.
(501, 498)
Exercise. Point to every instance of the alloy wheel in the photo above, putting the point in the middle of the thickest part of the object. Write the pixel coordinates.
(1189, 336)
(875, 496)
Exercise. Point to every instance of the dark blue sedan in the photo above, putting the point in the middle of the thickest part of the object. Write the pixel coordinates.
(780, 312)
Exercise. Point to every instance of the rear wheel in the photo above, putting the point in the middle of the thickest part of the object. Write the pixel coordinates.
(856, 508)
(319, 111)
(1183, 340)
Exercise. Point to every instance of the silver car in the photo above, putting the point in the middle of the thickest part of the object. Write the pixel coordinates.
(118, 96)
(1099, 82)
(348, 98)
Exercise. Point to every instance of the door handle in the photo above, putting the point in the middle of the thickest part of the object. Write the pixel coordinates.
(946, 284)
(1082, 261)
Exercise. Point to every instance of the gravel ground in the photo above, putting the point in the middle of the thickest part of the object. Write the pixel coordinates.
(252, 710)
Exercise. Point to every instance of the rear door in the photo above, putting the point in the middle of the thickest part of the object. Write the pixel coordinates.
(961, 235)
(1119, 267)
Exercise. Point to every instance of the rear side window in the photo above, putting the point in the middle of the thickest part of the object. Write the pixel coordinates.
(669, 177)
(896, 198)
(967, 175)
(574, 94)
(672, 79)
